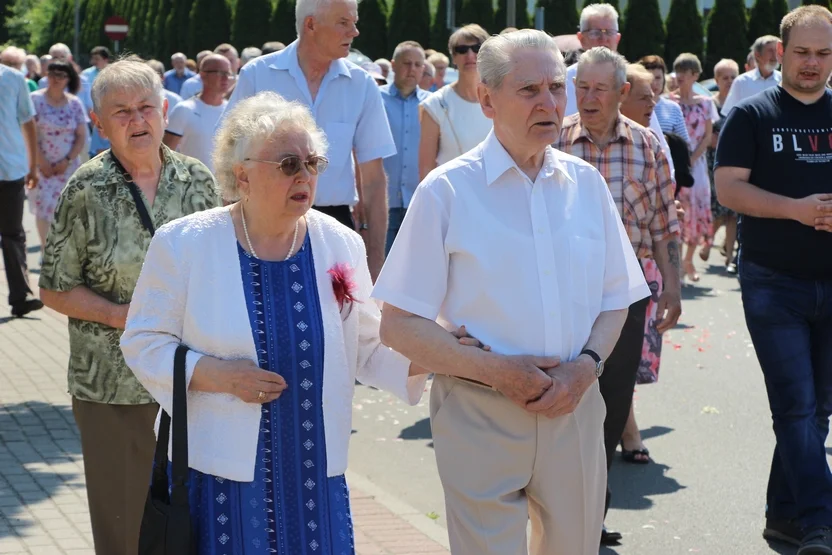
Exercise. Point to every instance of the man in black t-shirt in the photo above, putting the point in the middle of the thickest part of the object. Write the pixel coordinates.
(774, 166)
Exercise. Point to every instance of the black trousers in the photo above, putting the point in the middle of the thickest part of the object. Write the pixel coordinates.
(619, 379)
(13, 239)
(341, 212)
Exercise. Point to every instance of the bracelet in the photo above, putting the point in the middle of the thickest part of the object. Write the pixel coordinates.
(363, 227)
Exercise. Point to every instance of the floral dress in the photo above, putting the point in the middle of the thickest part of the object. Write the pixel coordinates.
(56, 135)
(698, 223)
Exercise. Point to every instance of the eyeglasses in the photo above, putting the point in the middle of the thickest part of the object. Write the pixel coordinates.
(57, 75)
(596, 34)
(218, 72)
(464, 48)
(291, 164)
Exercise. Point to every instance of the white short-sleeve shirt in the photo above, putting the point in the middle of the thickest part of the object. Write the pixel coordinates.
(348, 108)
(462, 125)
(527, 266)
(194, 121)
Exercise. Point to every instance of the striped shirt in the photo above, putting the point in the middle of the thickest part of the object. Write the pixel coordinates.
(671, 119)
(638, 175)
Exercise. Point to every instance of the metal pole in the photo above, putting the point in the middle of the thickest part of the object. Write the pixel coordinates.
(538, 18)
(76, 38)
(511, 13)
(450, 16)
(116, 45)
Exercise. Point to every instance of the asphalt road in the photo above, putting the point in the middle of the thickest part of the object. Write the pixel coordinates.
(706, 424)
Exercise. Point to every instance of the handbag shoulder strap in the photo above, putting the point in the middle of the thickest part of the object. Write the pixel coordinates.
(144, 215)
(443, 101)
(180, 436)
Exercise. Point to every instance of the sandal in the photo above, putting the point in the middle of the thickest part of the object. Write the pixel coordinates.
(636, 456)
(690, 272)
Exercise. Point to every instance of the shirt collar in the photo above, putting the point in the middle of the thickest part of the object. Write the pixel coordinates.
(396, 92)
(171, 168)
(621, 132)
(287, 59)
(497, 161)
(757, 76)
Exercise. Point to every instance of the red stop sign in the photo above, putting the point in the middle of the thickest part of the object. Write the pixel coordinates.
(116, 28)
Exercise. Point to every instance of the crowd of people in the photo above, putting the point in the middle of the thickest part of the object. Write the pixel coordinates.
(527, 230)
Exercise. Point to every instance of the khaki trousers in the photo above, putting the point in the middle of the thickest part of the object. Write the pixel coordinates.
(118, 442)
(501, 466)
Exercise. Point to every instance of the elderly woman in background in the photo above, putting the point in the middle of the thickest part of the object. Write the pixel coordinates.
(94, 252)
(440, 64)
(452, 122)
(700, 114)
(273, 300)
(725, 71)
(33, 68)
(62, 134)
(668, 112)
(426, 83)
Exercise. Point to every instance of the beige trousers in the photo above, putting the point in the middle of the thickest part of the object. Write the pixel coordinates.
(501, 466)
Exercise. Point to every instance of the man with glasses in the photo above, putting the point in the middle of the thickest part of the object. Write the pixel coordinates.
(191, 124)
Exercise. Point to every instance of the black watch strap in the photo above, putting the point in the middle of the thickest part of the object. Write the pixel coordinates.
(592, 354)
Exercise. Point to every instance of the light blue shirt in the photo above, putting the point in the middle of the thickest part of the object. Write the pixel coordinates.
(15, 110)
(747, 85)
(97, 142)
(671, 119)
(173, 82)
(191, 87)
(402, 169)
(348, 108)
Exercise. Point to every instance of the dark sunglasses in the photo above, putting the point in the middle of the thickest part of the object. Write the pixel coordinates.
(58, 75)
(464, 48)
(291, 165)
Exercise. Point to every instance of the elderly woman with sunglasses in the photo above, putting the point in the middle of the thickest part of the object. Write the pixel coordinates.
(451, 120)
(273, 300)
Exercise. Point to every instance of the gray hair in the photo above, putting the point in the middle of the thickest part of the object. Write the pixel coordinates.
(494, 61)
(13, 56)
(251, 123)
(249, 54)
(157, 66)
(726, 63)
(762, 42)
(603, 55)
(60, 49)
(179, 56)
(687, 62)
(405, 46)
(598, 10)
(430, 70)
(306, 8)
(125, 75)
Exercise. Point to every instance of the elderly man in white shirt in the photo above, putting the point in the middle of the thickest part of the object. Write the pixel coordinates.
(762, 77)
(523, 245)
(346, 104)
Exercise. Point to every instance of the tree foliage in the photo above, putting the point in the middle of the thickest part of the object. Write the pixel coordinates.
(372, 17)
(282, 22)
(643, 30)
(480, 12)
(210, 25)
(251, 23)
(521, 20)
(761, 21)
(779, 9)
(684, 30)
(439, 31)
(410, 20)
(824, 3)
(727, 34)
(560, 17)
(613, 3)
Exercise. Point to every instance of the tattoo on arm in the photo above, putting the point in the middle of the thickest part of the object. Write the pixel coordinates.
(673, 254)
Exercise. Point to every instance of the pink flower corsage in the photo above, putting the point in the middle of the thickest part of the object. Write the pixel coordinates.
(343, 285)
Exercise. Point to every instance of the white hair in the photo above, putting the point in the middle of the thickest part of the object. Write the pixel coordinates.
(59, 49)
(125, 75)
(603, 55)
(598, 10)
(249, 54)
(430, 71)
(726, 63)
(494, 60)
(179, 56)
(249, 125)
(762, 42)
(13, 56)
(384, 63)
(306, 8)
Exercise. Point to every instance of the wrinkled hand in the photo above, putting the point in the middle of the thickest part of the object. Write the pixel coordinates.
(464, 338)
(570, 381)
(668, 310)
(522, 378)
(680, 210)
(824, 223)
(32, 178)
(809, 209)
(246, 380)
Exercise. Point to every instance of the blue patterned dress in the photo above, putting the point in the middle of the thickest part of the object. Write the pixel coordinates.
(291, 507)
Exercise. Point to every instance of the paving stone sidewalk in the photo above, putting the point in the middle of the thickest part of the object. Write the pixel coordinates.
(43, 503)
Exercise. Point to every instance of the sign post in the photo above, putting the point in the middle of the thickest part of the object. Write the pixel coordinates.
(116, 29)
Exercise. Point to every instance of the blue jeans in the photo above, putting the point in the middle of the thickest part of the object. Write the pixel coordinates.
(395, 216)
(790, 322)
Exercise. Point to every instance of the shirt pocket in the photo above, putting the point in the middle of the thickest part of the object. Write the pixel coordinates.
(587, 261)
(339, 136)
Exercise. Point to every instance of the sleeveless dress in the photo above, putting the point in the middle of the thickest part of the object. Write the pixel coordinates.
(291, 507)
(462, 125)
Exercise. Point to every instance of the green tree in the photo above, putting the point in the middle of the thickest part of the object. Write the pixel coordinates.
(761, 21)
(779, 9)
(480, 12)
(163, 44)
(5, 15)
(152, 46)
(176, 28)
(613, 3)
(282, 23)
(521, 20)
(210, 25)
(372, 22)
(138, 27)
(439, 32)
(727, 33)
(410, 20)
(251, 23)
(684, 30)
(824, 3)
(643, 30)
(560, 17)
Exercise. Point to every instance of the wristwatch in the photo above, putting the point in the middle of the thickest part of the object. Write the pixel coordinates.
(599, 362)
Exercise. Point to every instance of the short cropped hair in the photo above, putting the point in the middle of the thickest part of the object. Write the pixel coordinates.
(687, 62)
(603, 55)
(470, 32)
(802, 16)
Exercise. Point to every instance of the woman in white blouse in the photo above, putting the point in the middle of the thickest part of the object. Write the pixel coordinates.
(452, 122)
(273, 300)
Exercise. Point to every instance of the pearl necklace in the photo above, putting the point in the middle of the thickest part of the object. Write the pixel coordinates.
(248, 239)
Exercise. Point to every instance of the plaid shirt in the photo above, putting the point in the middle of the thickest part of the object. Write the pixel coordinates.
(638, 175)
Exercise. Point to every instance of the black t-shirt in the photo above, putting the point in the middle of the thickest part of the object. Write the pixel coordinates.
(787, 145)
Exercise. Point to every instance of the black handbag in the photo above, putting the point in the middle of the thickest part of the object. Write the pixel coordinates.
(166, 523)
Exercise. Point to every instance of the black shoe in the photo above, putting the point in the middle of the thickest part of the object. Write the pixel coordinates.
(817, 541)
(608, 537)
(22, 309)
(787, 531)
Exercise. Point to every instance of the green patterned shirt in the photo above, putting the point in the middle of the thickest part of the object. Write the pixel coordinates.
(97, 240)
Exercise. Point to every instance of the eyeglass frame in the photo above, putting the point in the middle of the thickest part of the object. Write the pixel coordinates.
(475, 48)
(305, 163)
(600, 33)
(219, 72)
